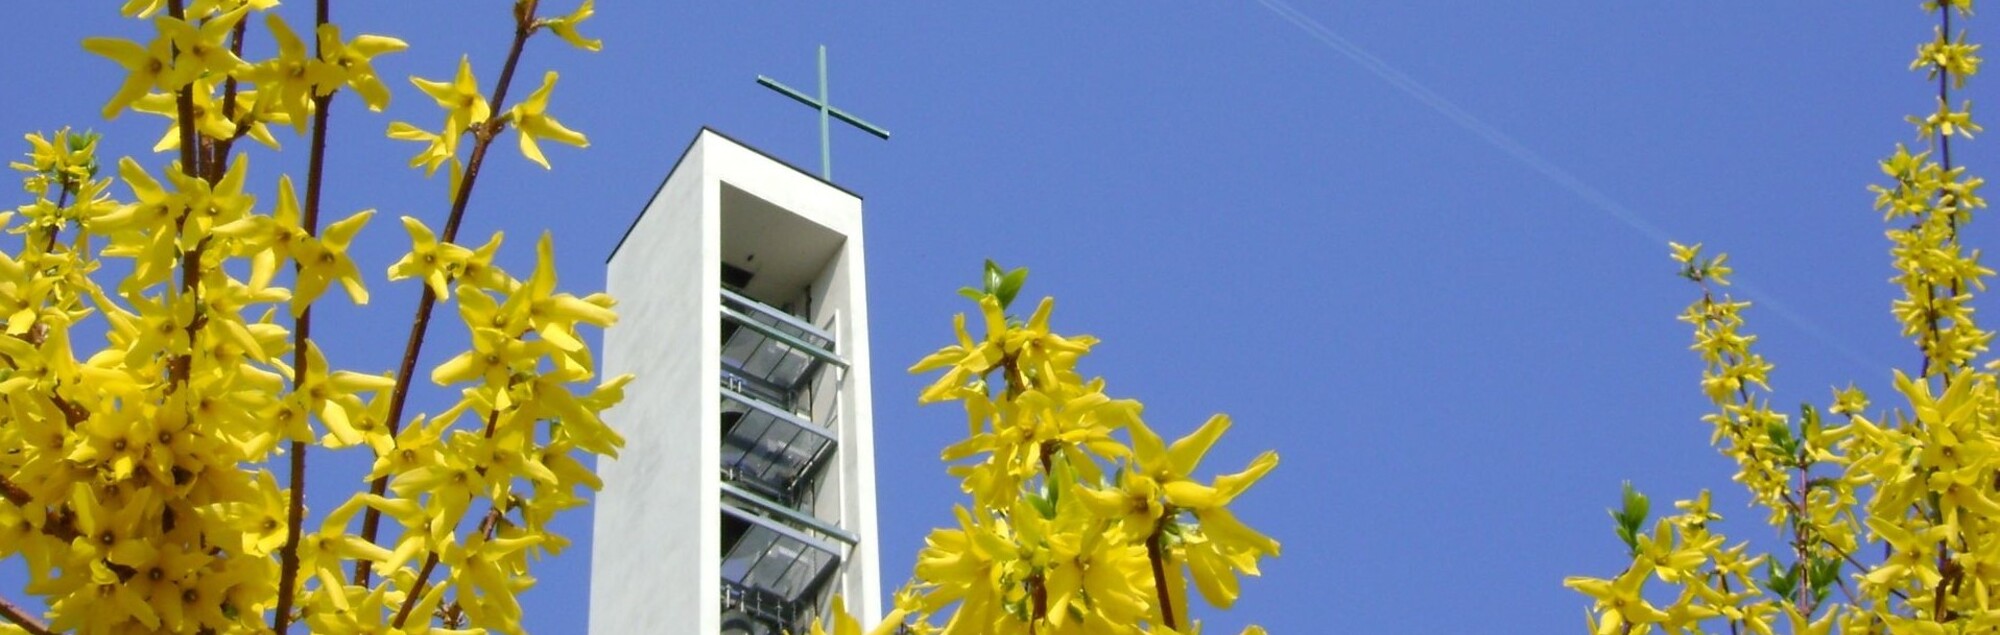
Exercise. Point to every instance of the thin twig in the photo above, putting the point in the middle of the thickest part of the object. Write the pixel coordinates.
(13, 493)
(416, 594)
(1157, 553)
(288, 571)
(62, 200)
(1946, 566)
(1799, 518)
(1724, 579)
(20, 617)
(413, 345)
(223, 146)
(184, 108)
(1844, 555)
(179, 366)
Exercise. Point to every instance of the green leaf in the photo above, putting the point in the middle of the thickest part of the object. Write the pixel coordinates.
(1824, 573)
(1042, 503)
(1627, 532)
(80, 140)
(1780, 583)
(992, 278)
(1781, 438)
(972, 294)
(1636, 505)
(1631, 517)
(1060, 474)
(1010, 285)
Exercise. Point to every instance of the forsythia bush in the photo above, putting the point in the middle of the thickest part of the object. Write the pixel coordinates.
(1892, 519)
(156, 426)
(1071, 529)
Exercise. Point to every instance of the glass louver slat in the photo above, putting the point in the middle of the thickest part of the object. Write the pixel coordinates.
(785, 465)
(764, 358)
(769, 572)
(736, 565)
(772, 448)
(787, 326)
(756, 356)
(742, 450)
(765, 345)
(776, 559)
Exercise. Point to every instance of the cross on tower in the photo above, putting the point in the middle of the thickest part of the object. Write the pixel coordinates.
(827, 113)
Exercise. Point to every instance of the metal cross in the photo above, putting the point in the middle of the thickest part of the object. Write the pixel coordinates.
(827, 113)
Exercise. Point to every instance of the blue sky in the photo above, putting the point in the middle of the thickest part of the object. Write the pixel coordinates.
(1458, 356)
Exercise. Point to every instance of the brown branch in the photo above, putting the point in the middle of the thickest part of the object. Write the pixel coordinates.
(288, 556)
(20, 617)
(1724, 579)
(59, 523)
(73, 413)
(1952, 575)
(1946, 565)
(416, 594)
(1851, 600)
(1797, 508)
(229, 86)
(62, 200)
(1156, 552)
(486, 526)
(1943, 146)
(1944, 82)
(224, 146)
(1799, 519)
(1038, 590)
(288, 571)
(13, 493)
(184, 106)
(413, 344)
(180, 365)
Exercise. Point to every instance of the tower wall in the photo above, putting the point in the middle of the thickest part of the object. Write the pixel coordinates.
(655, 513)
(727, 211)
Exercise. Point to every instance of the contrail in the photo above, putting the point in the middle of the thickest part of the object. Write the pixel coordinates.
(1562, 178)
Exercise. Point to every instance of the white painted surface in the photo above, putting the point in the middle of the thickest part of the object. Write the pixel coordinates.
(647, 562)
(656, 560)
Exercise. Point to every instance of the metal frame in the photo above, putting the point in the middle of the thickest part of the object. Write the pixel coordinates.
(787, 318)
(785, 338)
(776, 614)
(748, 496)
(790, 515)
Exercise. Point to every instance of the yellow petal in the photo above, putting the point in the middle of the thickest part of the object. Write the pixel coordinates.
(1232, 485)
(1213, 576)
(1192, 495)
(1186, 453)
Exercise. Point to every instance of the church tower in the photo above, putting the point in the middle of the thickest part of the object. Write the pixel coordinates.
(745, 496)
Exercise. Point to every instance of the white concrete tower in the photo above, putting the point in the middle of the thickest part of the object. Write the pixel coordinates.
(745, 496)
